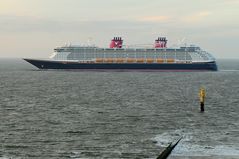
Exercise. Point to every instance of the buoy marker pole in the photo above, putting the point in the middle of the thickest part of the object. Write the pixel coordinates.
(202, 95)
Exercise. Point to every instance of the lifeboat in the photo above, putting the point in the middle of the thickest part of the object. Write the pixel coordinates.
(150, 60)
(130, 60)
(109, 60)
(160, 60)
(99, 60)
(119, 60)
(140, 60)
(170, 60)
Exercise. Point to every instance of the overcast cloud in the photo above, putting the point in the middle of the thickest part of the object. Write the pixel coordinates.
(32, 28)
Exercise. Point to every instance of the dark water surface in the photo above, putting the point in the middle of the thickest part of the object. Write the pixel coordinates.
(72, 114)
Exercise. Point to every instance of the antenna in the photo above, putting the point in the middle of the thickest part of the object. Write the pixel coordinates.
(182, 42)
(89, 41)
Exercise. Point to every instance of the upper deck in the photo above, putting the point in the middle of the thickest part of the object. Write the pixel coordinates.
(186, 54)
(116, 52)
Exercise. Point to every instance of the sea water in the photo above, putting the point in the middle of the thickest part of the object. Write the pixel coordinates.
(90, 114)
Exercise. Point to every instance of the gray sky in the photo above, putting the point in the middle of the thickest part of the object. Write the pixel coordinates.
(32, 28)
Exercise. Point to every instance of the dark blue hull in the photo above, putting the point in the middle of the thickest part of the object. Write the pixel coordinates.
(47, 64)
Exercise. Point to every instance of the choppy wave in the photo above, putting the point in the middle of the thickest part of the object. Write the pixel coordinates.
(187, 146)
(61, 114)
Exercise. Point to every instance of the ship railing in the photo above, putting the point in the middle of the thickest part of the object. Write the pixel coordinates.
(134, 60)
(183, 61)
(205, 55)
(202, 61)
(53, 55)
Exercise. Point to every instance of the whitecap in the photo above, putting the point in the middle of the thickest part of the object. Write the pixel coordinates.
(187, 147)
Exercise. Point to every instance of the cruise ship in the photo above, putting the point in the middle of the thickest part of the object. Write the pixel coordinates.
(117, 56)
